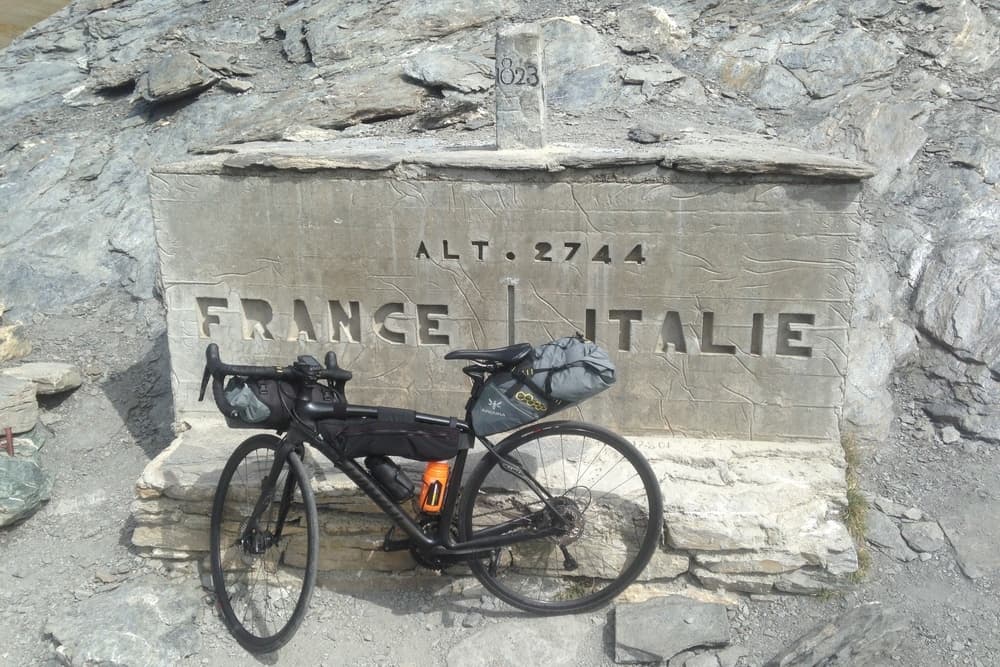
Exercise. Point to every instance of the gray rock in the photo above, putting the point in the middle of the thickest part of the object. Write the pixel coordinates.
(354, 97)
(49, 377)
(702, 660)
(956, 300)
(452, 110)
(652, 74)
(973, 538)
(464, 72)
(663, 627)
(882, 532)
(839, 60)
(174, 77)
(865, 635)
(923, 536)
(645, 28)
(543, 641)
(950, 435)
(778, 88)
(223, 63)
(580, 67)
(235, 85)
(142, 622)
(24, 484)
(18, 407)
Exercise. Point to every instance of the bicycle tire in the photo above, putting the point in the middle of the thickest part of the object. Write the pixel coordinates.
(248, 585)
(600, 482)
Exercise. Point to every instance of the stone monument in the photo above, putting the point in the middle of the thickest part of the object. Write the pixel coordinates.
(719, 274)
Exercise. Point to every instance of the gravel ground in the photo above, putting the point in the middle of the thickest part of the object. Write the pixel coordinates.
(60, 564)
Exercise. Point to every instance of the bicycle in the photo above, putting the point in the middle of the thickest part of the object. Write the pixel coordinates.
(533, 520)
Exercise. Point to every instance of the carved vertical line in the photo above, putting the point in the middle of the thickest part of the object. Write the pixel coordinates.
(510, 315)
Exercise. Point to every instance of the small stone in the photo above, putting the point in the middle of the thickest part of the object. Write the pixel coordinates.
(174, 77)
(950, 435)
(924, 556)
(957, 646)
(49, 377)
(913, 514)
(18, 407)
(472, 620)
(235, 85)
(923, 536)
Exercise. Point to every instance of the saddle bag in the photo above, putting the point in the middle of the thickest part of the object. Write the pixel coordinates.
(560, 374)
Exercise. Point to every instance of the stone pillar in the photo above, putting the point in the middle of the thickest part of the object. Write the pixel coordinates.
(520, 88)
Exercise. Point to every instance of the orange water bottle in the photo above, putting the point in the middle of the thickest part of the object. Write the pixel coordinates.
(435, 482)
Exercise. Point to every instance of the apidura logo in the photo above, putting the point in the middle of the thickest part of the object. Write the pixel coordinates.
(493, 407)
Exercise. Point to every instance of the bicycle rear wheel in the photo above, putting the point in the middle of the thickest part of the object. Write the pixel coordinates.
(609, 503)
(263, 578)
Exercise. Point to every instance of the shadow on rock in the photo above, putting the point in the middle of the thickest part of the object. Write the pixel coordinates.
(141, 395)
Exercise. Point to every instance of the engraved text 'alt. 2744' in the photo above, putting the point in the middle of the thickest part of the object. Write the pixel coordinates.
(401, 323)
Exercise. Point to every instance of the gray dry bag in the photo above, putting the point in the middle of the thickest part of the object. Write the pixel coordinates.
(560, 374)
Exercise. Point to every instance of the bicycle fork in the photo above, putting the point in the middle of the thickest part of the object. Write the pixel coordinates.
(253, 538)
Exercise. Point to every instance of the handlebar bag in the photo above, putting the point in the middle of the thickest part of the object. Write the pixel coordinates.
(561, 374)
(265, 404)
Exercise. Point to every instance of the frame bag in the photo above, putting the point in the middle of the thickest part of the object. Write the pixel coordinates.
(561, 374)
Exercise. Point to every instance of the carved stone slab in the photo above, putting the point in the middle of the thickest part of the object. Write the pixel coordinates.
(725, 300)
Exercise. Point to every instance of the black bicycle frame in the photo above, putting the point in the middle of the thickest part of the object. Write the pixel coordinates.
(443, 543)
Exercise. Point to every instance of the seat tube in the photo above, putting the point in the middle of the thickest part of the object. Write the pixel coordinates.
(451, 498)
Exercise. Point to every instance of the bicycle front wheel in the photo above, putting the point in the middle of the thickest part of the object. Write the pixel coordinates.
(263, 575)
(610, 517)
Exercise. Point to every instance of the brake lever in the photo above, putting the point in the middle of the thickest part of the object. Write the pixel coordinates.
(204, 383)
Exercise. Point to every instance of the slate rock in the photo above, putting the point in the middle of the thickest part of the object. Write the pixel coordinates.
(353, 98)
(923, 536)
(24, 484)
(660, 628)
(450, 111)
(865, 635)
(973, 538)
(464, 72)
(235, 85)
(777, 88)
(881, 531)
(142, 622)
(12, 343)
(581, 68)
(174, 77)
(50, 377)
(839, 60)
(655, 74)
(645, 28)
(956, 300)
(18, 406)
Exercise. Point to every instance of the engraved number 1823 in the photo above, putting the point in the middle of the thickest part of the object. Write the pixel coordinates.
(510, 74)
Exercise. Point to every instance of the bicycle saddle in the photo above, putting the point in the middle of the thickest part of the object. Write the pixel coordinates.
(509, 356)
